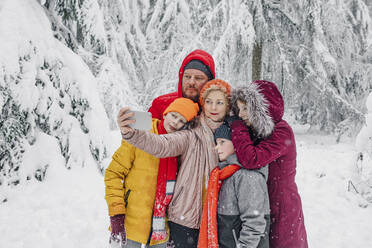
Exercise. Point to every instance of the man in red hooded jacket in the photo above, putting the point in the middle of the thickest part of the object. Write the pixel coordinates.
(196, 69)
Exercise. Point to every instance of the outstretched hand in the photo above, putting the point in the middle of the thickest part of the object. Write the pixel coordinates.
(123, 120)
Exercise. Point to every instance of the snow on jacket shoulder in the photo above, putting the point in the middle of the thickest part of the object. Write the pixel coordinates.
(130, 181)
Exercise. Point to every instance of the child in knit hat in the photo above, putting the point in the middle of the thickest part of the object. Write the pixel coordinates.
(240, 217)
(139, 186)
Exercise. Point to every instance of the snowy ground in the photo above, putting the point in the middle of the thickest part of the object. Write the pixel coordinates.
(69, 210)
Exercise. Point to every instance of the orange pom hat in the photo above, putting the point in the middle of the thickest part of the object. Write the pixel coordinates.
(184, 106)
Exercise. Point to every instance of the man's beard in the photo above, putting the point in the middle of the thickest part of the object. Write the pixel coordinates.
(193, 98)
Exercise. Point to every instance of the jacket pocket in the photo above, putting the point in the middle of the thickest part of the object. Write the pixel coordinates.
(126, 197)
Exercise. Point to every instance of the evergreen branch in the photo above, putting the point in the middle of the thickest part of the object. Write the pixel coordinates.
(61, 29)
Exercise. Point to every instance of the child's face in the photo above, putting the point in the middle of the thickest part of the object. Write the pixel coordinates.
(224, 148)
(173, 121)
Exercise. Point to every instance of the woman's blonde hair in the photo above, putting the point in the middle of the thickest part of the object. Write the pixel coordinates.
(215, 85)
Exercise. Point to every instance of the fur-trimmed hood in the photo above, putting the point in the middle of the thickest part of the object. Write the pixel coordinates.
(264, 102)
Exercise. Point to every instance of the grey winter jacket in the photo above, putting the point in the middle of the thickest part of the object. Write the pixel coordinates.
(243, 208)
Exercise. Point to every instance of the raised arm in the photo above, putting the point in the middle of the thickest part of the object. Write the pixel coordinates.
(256, 156)
(161, 146)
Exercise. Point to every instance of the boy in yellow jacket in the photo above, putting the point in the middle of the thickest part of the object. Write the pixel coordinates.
(139, 186)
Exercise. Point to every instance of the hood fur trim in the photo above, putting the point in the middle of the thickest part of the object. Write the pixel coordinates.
(257, 106)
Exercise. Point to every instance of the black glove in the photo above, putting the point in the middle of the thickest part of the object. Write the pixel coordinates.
(230, 119)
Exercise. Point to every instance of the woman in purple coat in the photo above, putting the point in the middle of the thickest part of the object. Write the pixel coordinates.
(262, 138)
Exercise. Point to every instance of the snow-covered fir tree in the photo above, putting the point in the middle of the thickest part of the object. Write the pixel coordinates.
(46, 91)
(315, 51)
(362, 171)
(67, 71)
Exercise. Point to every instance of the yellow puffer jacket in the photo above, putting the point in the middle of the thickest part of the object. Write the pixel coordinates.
(139, 171)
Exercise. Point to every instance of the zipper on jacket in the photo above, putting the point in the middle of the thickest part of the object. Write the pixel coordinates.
(236, 240)
(126, 198)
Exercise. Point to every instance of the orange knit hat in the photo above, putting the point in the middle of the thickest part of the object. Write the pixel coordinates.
(215, 84)
(184, 106)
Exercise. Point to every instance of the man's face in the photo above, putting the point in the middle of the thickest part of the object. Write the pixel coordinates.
(193, 81)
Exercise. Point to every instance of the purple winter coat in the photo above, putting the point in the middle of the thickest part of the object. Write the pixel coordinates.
(271, 141)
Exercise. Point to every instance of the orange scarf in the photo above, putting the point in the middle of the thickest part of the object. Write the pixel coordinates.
(208, 234)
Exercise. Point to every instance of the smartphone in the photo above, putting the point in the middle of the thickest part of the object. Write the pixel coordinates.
(143, 120)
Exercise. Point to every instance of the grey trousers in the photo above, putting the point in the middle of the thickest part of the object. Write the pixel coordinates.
(134, 244)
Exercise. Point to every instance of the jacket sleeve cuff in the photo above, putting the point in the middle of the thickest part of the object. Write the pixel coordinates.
(116, 210)
(128, 135)
(238, 125)
(240, 132)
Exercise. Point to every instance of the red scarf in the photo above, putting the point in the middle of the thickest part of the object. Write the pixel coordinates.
(167, 173)
(208, 235)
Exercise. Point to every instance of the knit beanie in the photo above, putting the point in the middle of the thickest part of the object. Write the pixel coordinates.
(184, 106)
(198, 65)
(215, 84)
(223, 132)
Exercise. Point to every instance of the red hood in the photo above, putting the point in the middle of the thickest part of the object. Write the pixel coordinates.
(198, 54)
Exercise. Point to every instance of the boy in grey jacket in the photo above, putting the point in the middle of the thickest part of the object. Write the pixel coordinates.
(243, 212)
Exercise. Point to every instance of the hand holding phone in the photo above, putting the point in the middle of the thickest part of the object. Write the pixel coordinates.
(143, 120)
